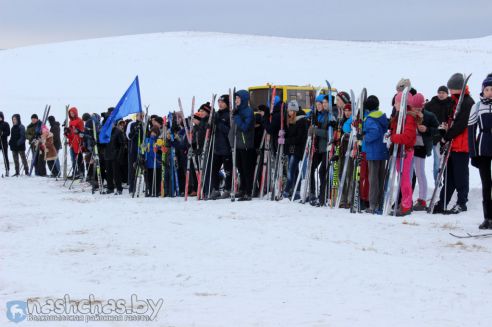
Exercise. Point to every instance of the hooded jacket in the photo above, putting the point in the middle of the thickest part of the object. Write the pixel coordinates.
(244, 122)
(374, 128)
(4, 132)
(409, 133)
(17, 135)
(75, 126)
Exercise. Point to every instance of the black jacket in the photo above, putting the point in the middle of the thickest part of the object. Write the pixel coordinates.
(55, 129)
(442, 109)
(431, 122)
(115, 149)
(18, 136)
(222, 127)
(4, 132)
(295, 137)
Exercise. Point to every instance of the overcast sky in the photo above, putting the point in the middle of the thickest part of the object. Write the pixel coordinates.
(25, 22)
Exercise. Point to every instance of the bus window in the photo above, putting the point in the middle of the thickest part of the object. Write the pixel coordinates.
(259, 97)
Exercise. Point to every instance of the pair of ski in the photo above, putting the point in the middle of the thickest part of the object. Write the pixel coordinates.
(469, 235)
(303, 179)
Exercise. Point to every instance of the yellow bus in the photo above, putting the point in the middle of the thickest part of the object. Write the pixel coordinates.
(258, 95)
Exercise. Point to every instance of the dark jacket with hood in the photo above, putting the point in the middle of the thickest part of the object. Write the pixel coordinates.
(244, 121)
(17, 135)
(222, 129)
(115, 149)
(4, 132)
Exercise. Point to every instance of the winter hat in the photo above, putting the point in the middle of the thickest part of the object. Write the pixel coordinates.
(402, 84)
(293, 106)
(44, 129)
(344, 96)
(34, 116)
(456, 81)
(159, 120)
(487, 81)
(399, 96)
(205, 107)
(320, 98)
(417, 101)
(347, 107)
(86, 117)
(51, 120)
(198, 116)
(443, 88)
(371, 103)
(224, 98)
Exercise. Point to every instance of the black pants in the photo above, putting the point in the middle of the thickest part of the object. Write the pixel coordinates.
(217, 164)
(113, 175)
(5, 154)
(319, 159)
(245, 161)
(456, 178)
(483, 165)
(149, 182)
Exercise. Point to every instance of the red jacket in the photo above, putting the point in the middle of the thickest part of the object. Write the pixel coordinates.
(458, 133)
(409, 135)
(76, 125)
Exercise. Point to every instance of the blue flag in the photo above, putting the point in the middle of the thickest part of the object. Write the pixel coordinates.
(129, 104)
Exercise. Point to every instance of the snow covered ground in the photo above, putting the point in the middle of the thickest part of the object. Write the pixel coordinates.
(236, 264)
(261, 263)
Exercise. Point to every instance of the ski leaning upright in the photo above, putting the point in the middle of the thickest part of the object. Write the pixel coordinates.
(389, 183)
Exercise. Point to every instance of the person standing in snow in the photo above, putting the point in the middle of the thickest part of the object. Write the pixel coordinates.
(374, 128)
(295, 141)
(17, 144)
(441, 106)
(406, 138)
(115, 157)
(480, 145)
(322, 120)
(48, 150)
(33, 134)
(72, 133)
(222, 149)
(243, 119)
(457, 174)
(423, 147)
(4, 134)
(346, 123)
(55, 130)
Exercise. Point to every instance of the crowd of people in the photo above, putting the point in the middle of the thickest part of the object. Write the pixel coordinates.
(166, 154)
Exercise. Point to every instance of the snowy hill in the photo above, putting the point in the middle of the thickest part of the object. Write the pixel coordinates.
(93, 74)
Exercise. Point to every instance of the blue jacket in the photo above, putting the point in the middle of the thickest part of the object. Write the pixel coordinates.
(347, 125)
(374, 128)
(244, 121)
(150, 155)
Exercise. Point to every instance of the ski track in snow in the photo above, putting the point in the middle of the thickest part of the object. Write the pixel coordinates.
(260, 263)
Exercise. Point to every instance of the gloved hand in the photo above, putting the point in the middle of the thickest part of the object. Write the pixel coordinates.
(387, 139)
(281, 137)
(334, 158)
(333, 123)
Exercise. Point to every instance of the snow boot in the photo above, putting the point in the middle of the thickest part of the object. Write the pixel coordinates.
(401, 212)
(438, 208)
(457, 209)
(420, 205)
